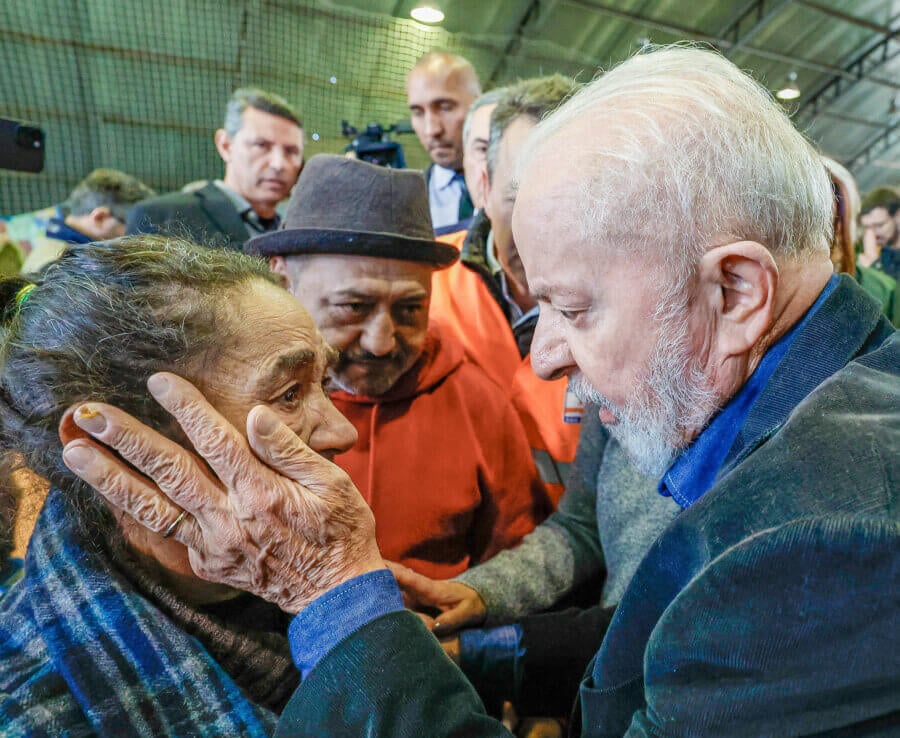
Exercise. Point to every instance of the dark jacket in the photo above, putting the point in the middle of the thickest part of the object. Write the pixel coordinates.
(768, 608)
(205, 216)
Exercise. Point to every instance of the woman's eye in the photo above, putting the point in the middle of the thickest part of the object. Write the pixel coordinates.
(291, 395)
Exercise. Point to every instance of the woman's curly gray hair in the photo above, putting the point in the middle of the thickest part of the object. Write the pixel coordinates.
(96, 324)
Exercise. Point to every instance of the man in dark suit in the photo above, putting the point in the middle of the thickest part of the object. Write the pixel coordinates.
(674, 227)
(439, 90)
(261, 144)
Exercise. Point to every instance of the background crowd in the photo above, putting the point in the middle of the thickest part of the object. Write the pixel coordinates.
(409, 365)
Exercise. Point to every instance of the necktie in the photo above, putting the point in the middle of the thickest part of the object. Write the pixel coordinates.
(465, 202)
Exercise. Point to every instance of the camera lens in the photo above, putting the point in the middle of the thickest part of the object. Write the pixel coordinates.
(29, 137)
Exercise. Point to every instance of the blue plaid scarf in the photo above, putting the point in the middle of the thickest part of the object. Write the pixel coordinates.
(82, 652)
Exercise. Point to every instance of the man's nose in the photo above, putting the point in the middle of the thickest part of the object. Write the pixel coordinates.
(277, 159)
(550, 354)
(378, 336)
(434, 126)
(334, 433)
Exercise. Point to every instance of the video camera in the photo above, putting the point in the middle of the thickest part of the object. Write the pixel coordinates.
(21, 146)
(375, 146)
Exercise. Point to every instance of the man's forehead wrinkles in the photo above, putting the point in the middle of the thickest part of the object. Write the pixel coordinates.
(373, 288)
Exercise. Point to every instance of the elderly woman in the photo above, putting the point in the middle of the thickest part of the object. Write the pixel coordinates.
(110, 632)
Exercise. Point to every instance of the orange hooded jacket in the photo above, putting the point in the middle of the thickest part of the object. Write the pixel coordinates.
(442, 460)
(551, 416)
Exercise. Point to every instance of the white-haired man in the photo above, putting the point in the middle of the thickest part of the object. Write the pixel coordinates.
(674, 227)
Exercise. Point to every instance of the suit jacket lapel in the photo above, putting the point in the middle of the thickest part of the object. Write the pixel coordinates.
(834, 336)
(221, 212)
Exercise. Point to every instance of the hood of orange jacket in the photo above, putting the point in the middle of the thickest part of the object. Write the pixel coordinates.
(443, 461)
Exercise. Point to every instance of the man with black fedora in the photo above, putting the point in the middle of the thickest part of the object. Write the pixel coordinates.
(441, 449)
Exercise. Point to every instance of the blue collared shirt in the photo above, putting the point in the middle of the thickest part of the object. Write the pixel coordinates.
(696, 469)
(58, 229)
(330, 618)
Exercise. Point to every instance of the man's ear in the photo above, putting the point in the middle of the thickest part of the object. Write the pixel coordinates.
(485, 189)
(278, 265)
(223, 144)
(100, 215)
(739, 280)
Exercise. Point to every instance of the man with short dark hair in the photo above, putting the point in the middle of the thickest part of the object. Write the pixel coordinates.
(261, 143)
(476, 137)
(880, 219)
(439, 90)
(96, 210)
(515, 116)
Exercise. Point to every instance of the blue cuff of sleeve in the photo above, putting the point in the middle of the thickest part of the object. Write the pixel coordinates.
(488, 655)
(333, 616)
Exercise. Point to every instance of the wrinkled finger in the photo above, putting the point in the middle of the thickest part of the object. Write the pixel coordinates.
(280, 448)
(128, 491)
(174, 469)
(213, 437)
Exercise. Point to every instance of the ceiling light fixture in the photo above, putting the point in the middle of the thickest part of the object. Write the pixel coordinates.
(427, 12)
(790, 91)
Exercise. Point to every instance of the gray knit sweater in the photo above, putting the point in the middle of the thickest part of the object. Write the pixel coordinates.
(608, 517)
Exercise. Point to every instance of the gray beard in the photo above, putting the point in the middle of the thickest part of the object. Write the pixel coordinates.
(673, 401)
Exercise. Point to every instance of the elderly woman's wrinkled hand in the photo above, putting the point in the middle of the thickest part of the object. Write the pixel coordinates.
(270, 517)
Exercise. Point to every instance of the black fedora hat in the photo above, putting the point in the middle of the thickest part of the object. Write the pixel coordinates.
(347, 206)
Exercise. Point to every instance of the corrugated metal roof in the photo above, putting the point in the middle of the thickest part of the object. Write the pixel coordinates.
(845, 53)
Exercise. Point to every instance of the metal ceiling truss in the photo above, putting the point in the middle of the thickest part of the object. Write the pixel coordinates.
(845, 17)
(887, 139)
(750, 22)
(725, 44)
(854, 119)
(857, 69)
(515, 41)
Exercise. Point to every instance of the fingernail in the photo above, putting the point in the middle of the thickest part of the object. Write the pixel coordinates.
(158, 385)
(79, 457)
(91, 419)
(266, 423)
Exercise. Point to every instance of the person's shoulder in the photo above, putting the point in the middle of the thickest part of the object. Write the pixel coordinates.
(855, 408)
(835, 455)
(792, 600)
(170, 201)
(170, 212)
(841, 442)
